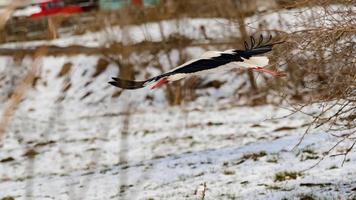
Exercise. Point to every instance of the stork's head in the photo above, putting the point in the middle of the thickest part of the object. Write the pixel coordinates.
(257, 63)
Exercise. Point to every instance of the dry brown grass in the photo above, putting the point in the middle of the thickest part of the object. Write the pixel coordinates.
(28, 81)
(321, 64)
(7, 12)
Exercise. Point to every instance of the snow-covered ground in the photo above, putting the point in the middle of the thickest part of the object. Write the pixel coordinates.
(237, 151)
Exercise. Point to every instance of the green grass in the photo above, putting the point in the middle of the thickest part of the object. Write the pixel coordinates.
(8, 198)
(254, 156)
(229, 172)
(273, 159)
(307, 197)
(286, 175)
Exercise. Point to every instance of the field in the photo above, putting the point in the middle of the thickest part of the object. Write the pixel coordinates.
(67, 134)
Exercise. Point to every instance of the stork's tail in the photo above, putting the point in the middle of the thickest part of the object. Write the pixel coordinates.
(127, 84)
(132, 85)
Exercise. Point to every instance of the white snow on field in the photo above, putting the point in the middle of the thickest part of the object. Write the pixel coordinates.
(171, 153)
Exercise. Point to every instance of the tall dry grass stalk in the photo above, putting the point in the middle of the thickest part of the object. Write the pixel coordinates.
(20, 91)
(7, 12)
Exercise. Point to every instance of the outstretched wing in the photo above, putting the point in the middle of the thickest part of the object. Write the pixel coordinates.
(206, 63)
(218, 59)
(127, 84)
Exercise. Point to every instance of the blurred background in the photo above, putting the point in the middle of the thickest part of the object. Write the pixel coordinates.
(67, 134)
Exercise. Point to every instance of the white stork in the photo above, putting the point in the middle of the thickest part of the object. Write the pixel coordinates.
(210, 62)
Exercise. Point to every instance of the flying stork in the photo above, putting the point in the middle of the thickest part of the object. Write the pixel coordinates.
(210, 62)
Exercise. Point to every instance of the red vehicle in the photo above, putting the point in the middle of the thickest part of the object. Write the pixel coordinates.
(53, 7)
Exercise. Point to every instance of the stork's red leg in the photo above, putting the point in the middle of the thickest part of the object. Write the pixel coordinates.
(160, 83)
(273, 73)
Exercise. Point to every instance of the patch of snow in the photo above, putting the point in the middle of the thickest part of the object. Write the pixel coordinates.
(27, 11)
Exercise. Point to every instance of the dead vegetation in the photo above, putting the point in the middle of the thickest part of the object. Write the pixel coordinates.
(322, 70)
(319, 61)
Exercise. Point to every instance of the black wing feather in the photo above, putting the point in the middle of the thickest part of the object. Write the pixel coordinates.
(254, 48)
